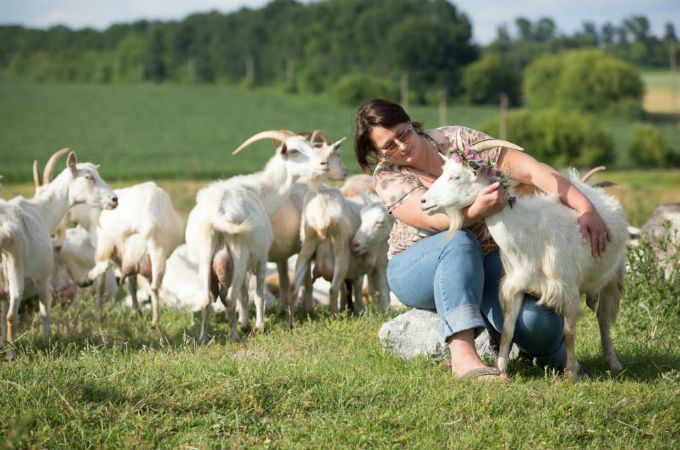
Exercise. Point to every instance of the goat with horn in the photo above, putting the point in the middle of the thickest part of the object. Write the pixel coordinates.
(232, 222)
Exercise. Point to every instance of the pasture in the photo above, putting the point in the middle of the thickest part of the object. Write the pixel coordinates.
(111, 381)
(658, 92)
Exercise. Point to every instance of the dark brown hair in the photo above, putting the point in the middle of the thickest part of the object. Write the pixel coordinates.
(376, 113)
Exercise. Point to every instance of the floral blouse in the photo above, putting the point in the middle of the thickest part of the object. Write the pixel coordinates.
(394, 184)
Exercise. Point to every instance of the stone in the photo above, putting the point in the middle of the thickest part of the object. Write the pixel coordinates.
(414, 333)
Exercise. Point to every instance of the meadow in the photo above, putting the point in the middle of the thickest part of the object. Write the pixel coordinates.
(111, 381)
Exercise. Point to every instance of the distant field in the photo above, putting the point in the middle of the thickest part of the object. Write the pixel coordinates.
(658, 92)
(166, 131)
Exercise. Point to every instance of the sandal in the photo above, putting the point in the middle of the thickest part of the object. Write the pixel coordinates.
(481, 372)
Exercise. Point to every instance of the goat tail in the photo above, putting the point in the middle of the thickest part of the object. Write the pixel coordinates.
(321, 225)
(227, 225)
(7, 234)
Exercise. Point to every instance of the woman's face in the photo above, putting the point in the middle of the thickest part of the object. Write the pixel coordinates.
(396, 144)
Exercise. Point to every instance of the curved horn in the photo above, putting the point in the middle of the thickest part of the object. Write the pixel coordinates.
(592, 172)
(320, 134)
(51, 163)
(276, 142)
(487, 144)
(279, 135)
(36, 176)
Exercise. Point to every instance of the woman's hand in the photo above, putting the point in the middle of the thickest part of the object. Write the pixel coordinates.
(592, 224)
(489, 201)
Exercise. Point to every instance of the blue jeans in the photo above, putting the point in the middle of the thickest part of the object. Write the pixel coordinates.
(455, 279)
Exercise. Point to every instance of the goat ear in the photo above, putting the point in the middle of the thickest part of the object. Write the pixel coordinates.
(455, 222)
(71, 162)
(367, 200)
(284, 148)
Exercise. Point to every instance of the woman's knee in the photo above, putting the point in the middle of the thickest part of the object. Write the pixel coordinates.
(463, 242)
(541, 325)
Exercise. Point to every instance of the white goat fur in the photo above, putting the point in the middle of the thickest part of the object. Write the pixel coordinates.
(329, 225)
(356, 184)
(542, 254)
(286, 224)
(74, 257)
(234, 216)
(145, 225)
(26, 253)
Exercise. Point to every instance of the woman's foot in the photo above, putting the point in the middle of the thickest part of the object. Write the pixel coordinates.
(465, 363)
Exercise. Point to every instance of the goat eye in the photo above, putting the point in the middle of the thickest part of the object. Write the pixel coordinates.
(379, 224)
(452, 178)
(293, 152)
(89, 178)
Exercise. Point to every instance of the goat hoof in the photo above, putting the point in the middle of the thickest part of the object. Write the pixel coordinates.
(247, 329)
(10, 355)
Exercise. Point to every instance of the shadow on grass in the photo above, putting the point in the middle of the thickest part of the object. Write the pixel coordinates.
(642, 365)
(119, 328)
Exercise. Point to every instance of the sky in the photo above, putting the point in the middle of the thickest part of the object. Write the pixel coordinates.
(485, 15)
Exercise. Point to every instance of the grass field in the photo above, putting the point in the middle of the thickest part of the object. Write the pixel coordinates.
(659, 92)
(111, 381)
(171, 131)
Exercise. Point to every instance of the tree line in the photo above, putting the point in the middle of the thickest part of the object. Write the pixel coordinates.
(313, 47)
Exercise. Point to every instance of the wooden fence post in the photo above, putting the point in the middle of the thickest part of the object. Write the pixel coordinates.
(442, 107)
(250, 70)
(502, 133)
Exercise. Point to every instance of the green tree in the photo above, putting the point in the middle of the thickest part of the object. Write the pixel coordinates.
(586, 80)
(560, 138)
(487, 78)
(648, 146)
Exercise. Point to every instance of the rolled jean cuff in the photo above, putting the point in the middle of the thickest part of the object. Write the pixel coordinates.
(462, 318)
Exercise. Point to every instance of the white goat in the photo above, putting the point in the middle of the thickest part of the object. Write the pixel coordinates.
(366, 249)
(369, 251)
(25, 244)
(357, 184)
(286, 221)
(542, 254)
(138, 237)
(232, 220)
(73, 249)
(74, 257)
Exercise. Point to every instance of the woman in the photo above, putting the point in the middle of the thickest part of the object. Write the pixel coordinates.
(459, 278)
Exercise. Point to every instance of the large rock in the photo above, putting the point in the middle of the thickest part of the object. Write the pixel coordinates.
(414, 333)
(654, 230)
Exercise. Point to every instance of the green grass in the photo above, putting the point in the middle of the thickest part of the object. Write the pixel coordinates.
(659, 92)
(113, 382)
(173, 131)
(166, 131)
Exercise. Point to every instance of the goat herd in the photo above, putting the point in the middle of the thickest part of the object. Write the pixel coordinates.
(236, 226)
(241, 223)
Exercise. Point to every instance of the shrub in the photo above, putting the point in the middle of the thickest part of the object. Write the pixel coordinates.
(653, 274)
(558, 138)
(355, 89)
(487, 78)
(648, 146)
(588, 80)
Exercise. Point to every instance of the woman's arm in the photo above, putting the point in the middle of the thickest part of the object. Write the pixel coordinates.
(524, 168)
(490, 200)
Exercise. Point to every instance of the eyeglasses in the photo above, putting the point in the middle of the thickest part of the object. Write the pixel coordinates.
(391, 147)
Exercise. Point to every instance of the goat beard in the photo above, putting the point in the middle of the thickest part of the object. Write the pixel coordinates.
(455, 221)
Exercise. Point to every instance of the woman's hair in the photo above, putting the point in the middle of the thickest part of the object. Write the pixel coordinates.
(376, 113)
